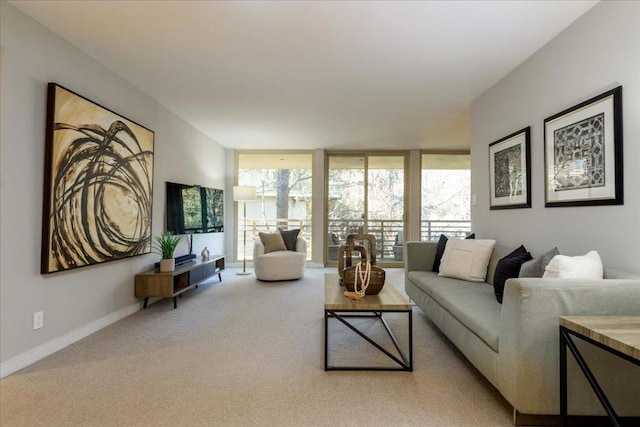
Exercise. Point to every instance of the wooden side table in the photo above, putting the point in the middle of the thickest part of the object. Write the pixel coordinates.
(619, 335)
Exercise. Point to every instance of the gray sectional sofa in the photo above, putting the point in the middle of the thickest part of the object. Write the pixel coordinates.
(515, 344)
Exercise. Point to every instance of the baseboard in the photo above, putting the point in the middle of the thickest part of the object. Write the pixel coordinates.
(22, 361)
(310, 264)
(520, 419)
(314, 264)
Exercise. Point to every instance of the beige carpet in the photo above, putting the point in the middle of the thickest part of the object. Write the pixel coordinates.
(247, 353)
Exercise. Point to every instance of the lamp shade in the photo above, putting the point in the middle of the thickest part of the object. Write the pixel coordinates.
(244, 193)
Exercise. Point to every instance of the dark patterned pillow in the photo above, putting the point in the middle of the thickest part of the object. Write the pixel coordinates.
(508, 268)
(290, 237)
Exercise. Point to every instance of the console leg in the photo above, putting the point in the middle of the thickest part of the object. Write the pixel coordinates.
(175, 302)
(146, 300)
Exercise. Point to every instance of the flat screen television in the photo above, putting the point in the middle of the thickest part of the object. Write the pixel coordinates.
(194, 209)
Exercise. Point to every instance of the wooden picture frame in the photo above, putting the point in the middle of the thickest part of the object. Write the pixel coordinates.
(98, 184)
(510, 171)
(583, 153)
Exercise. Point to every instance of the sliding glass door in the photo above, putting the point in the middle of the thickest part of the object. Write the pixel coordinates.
(283, 189)
(365, 193)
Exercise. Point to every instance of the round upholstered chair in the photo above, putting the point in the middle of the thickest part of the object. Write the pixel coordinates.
(280, 263)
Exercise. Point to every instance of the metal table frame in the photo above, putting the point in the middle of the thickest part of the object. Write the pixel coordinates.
(567, 341)
(406, 364)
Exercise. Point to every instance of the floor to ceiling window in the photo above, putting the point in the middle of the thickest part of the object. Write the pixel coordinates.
(446, 188)
(365, 193)
(283, 184)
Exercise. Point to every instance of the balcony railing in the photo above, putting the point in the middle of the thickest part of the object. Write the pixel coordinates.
(388, 233)
(271, 225)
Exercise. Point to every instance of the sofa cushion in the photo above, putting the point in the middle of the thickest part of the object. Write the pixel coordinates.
(588, 266)
(473, 304)
(535, 267)
(467, 259)
(442, 243)
(508, 268)
(424, 280)
(272, 242)
(290, 237)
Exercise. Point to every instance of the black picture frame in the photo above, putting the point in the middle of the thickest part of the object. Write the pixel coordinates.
(510, 171)
(583, 153)
(98, 184)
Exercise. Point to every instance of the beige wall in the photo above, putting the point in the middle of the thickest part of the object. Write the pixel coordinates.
(598, 52)
(81, 301)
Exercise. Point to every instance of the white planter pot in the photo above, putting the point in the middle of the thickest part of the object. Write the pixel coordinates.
(167, 265)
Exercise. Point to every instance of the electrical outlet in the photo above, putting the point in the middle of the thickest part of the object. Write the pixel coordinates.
(38, 320)
(474, 200)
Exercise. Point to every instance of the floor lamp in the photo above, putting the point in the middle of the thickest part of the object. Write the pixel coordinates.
(244, 194)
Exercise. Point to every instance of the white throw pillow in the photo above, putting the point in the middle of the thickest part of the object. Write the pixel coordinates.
(588, 266)
(466, 259)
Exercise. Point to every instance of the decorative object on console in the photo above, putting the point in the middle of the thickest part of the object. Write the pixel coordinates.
(375, 275)
(583, 153)
(361, 279)
(466, 259)
(165, 245)
(205, 253)
(510, 171)
(350, 274)
(98, 184)
(345, 251)
(585, 267)
(244, 194)
(508, 268)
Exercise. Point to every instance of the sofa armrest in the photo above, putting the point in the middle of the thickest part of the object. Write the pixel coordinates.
(419, 256)
(528, 373)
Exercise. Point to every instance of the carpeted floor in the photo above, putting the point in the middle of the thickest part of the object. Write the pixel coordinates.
(247, 353)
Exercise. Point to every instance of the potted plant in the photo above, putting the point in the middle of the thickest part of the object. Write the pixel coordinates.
(165, 245)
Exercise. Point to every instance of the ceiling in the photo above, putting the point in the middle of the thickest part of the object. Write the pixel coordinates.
(313, 74)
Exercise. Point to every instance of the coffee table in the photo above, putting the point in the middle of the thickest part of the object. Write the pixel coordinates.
(389, 300)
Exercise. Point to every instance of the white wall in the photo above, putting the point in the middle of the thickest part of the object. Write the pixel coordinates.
(598, 52)
(80, 301)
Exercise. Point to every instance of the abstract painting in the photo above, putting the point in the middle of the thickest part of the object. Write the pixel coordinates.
(510, 171)
(583, 153)
(98, 184)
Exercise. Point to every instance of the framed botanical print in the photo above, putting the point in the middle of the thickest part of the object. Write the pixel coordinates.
(98, 184)
(510, 171)
(583, 153)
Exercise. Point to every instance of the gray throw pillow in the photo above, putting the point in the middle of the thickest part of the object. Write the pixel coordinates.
(535, 267)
